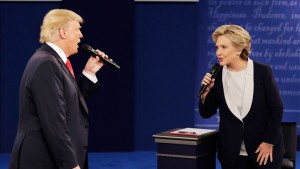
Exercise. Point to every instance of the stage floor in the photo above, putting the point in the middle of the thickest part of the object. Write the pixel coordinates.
(120, 160)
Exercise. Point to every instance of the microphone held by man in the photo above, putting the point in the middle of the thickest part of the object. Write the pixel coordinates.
(94, 53)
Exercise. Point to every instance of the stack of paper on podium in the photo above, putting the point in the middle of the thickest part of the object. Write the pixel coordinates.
(192, 131)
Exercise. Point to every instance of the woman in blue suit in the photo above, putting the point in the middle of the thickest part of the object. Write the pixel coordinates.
(249, 103)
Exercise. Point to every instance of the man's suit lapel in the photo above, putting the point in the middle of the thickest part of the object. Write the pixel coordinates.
(70, 76)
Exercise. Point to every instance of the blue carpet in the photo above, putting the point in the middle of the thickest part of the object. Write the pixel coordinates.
(123, 160)
(120, 160)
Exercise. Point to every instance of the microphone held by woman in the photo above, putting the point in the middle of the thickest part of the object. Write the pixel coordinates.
(213, 73)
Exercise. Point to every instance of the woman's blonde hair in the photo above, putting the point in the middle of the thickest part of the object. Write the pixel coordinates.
(237, 35)
(55, 19)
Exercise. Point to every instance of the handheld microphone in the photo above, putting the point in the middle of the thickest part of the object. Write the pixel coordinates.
(213, 72)
(94, 53)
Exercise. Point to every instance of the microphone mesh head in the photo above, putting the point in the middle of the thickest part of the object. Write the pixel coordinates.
(85, 47)
(89, 50)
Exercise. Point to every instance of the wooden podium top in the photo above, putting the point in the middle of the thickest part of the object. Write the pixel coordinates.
(167, 137)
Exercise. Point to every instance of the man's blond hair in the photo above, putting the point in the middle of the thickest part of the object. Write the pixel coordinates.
(55, 19)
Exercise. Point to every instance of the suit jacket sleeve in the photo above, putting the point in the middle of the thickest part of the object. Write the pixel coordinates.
(87, 87)
(211, 104)
(274, 103)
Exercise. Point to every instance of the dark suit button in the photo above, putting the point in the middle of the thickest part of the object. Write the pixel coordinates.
(85, 147)
(86, 126)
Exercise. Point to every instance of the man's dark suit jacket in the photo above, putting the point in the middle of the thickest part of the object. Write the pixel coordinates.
(53, 118)
(261, 124)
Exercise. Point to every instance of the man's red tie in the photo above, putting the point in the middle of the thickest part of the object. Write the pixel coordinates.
(69, 66)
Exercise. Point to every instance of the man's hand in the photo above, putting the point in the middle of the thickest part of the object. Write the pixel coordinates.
(94, 64)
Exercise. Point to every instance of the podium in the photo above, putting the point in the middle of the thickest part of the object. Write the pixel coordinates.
(186, 152)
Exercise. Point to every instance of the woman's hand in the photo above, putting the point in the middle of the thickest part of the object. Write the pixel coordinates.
(77, 167)
(265, 151)
(207, 81)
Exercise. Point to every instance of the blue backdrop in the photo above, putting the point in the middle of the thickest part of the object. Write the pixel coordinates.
(275, 31)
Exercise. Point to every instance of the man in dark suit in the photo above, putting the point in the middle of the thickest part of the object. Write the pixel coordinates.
(53, 119)
(249, 103)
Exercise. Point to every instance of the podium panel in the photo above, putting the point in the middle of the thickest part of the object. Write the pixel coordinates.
(186, 152)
